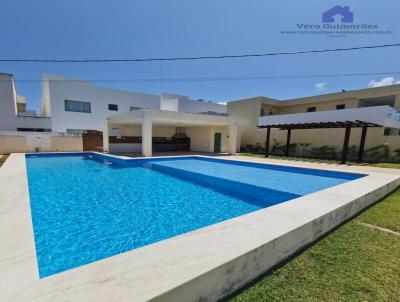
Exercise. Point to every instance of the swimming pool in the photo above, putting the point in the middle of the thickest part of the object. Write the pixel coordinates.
(87, 207)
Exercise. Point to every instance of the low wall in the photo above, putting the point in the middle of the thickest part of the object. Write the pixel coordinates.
(13, 144)
(23, 142)
(66, 144)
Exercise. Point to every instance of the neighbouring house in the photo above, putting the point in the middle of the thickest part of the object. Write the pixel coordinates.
(376, 106)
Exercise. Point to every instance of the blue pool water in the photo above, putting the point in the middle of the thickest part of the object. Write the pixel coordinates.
(86, 208)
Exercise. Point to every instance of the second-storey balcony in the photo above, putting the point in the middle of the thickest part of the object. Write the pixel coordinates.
(384, 116)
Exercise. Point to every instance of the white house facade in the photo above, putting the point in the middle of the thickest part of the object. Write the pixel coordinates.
(75, 105)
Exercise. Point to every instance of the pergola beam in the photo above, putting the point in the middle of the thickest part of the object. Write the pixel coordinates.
(324, 125)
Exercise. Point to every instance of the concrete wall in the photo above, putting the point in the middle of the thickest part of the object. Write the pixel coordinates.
(67, 144)
(13, 144)
(8, 96)
(16, 142)
(202, 138)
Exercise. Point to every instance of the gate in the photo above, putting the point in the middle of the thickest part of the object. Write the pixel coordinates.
(92, 140)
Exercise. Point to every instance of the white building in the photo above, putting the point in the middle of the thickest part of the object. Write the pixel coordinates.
(76, 105)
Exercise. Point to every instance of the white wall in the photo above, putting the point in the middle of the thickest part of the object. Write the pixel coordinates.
(13, 142)
(8, 105)
(55, 90)
(99, 98)
(200, 106)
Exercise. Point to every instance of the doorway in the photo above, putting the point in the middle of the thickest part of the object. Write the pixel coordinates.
(217, 142)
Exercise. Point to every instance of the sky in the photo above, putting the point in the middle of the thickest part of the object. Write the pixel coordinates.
(104, 29)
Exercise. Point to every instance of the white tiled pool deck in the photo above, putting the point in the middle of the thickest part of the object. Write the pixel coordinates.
(202, 265)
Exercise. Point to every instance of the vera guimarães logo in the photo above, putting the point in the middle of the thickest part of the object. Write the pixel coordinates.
(342, 12)
(338, 21)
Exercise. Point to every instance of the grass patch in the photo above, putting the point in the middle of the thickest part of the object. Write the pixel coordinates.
(3, 158)
(385, 214)
(353, 263)
(317, 160)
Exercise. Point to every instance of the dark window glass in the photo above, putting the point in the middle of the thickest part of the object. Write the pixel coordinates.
(341, 106)
(33, 129)
(77, 106)
(113, 107)
(311, 109)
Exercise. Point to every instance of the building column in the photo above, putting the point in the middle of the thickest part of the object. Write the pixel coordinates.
(232, 140)
(106, 146)
(147, 136)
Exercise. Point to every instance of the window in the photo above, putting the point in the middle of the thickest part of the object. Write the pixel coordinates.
(311, 109)
(391, 132)
(75, 131)
(113, 107)
(33, 129)
(340, 107)
(77, 106)
(114, 131)
(132, 108)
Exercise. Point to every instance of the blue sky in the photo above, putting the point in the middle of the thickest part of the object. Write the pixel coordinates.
(101, 29)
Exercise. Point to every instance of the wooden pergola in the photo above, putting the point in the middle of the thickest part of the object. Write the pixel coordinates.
(324, 125)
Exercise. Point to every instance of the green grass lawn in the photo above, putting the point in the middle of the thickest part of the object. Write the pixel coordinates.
(317, 160)
(353, 263)
(3, 158)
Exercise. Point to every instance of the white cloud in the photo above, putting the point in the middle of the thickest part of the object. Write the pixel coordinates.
(384, 82)
(222, 103)
(321, 86)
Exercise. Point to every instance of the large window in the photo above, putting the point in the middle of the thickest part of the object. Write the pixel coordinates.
(311, 109)
(391, 132)
(340, 107)
(113, 107)
(77, 106)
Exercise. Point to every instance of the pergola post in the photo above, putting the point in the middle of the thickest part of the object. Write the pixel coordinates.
(362, 144)
(346, 144)
(289, 132)
(267, 141)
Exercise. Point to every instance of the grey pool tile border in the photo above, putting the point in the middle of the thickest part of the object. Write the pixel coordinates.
(207, 263)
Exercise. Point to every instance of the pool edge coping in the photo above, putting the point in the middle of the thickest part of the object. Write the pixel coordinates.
(106, 278)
